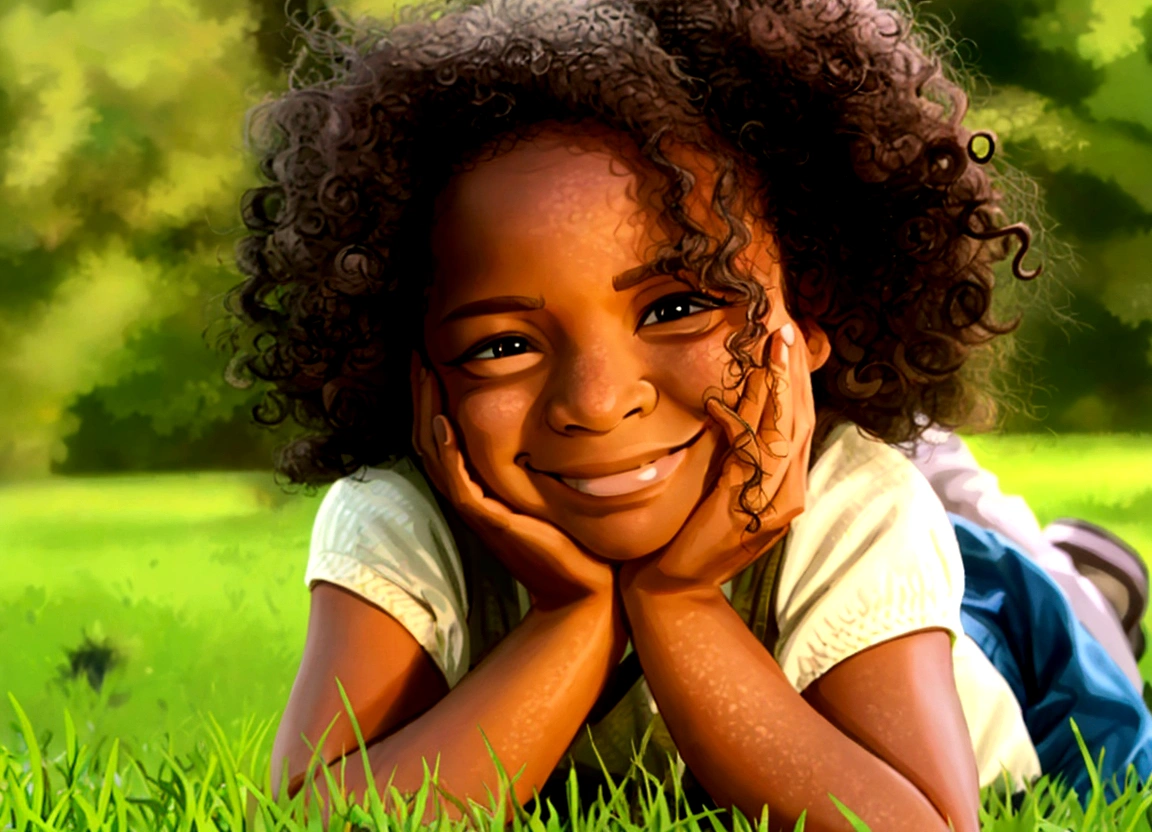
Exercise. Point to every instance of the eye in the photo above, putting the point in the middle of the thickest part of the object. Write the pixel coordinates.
(675, 307)
(501, 348)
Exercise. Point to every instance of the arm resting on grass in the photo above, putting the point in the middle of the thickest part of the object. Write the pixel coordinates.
(530, 695)
(888, 742)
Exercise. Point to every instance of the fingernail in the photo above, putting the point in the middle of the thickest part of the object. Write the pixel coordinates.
(788, 333)
(440, 428)
(779, 448)
(423, 374)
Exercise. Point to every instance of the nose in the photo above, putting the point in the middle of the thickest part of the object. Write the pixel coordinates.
(596, 390)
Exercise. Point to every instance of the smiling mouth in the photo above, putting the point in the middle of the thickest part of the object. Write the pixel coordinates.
(632, 480)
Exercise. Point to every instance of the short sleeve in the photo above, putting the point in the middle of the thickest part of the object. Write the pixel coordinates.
(872, 557)
(380, 534)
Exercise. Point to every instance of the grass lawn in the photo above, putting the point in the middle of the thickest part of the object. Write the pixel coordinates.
(193, 581)
(191, 587)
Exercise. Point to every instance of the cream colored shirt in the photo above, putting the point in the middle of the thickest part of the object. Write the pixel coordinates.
(872, 557)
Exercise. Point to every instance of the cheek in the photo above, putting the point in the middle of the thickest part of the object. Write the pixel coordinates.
(492, 422)
(699, 368)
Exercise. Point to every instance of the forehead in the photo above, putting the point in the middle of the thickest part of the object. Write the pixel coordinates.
(562, 204)
(585, 183)
(544, 186)
(550, 211)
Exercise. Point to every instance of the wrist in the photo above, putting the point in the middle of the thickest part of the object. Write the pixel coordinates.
(649, 580)
(585, 598)
(599, 612)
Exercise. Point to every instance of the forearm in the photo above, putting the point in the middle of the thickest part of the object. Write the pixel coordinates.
(748, 736)
(529, 696)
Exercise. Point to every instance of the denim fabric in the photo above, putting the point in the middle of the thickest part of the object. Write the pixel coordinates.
(1057, 671)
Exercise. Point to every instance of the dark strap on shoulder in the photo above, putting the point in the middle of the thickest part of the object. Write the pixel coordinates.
(493, 602)
(754, 595)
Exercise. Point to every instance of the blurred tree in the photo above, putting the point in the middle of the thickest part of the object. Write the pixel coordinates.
(121, 166)
(118, 183)
(1069, 92)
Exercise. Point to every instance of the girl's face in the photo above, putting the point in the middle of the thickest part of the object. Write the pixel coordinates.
(577, 386)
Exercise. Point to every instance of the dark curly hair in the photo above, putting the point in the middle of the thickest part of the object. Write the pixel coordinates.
(830, 117)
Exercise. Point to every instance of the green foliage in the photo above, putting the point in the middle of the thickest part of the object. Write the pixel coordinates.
(163, 572)
(1068, 89)
(227, 786)
(122, 163)
(118, 184)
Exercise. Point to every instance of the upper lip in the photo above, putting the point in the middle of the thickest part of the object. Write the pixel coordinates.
(592, 470)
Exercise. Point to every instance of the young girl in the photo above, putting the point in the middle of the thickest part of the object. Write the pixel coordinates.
(600, 314)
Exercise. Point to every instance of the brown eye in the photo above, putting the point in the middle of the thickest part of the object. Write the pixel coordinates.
(675, 307)
(502, 348)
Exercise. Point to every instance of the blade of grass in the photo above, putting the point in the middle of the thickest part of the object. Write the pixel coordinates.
(205, 788)
(1094, 802)
(1140, 814)
(69, 745)
(228, 768)
(857, 824)
(186, 792)
(34, 756)
(106, 786)
(274, 814)
(614, 791)
(121, 803)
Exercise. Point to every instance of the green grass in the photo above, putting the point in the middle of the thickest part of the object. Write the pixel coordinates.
(194, 582)
(224, 785)
(193, 585)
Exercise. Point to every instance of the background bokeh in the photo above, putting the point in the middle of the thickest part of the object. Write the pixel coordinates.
(140, 598)
(122, 161)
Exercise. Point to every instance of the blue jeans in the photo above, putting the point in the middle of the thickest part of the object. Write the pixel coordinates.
(1057, 671)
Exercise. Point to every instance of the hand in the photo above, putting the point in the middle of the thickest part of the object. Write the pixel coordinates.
(771, 425)
(551, 566)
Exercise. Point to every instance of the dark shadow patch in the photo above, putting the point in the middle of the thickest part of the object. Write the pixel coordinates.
(92, 660)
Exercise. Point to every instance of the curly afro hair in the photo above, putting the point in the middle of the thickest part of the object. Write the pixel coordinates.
(831, 116)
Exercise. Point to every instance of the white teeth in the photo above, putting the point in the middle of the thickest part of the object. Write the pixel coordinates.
(627, 481)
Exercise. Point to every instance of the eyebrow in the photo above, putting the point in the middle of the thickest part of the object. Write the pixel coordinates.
(491, 306)
(632, 277)
(519, 303)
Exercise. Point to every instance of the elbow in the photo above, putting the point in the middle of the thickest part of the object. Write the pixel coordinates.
(288, 772)
(293, 785)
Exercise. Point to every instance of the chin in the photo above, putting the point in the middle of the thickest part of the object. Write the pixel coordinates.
(621, 537)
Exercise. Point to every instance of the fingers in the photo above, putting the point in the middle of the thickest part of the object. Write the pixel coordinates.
(464, 492)
(770, 432)
(759, 429)
(776, 425)
(435, 440)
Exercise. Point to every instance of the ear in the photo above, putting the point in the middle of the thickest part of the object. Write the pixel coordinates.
(816, 340)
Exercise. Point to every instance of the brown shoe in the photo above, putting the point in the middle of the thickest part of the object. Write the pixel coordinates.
(1114, 567)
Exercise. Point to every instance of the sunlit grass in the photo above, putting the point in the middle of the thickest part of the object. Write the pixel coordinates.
(196, 581)
(225, 784)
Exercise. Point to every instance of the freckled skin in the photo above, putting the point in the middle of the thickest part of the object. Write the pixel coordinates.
(585, 384)
(557, 223)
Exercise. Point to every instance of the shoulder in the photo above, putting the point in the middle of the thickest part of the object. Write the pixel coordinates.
(872, 557)
(860, 487)
(377, 501)
(380, 534)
